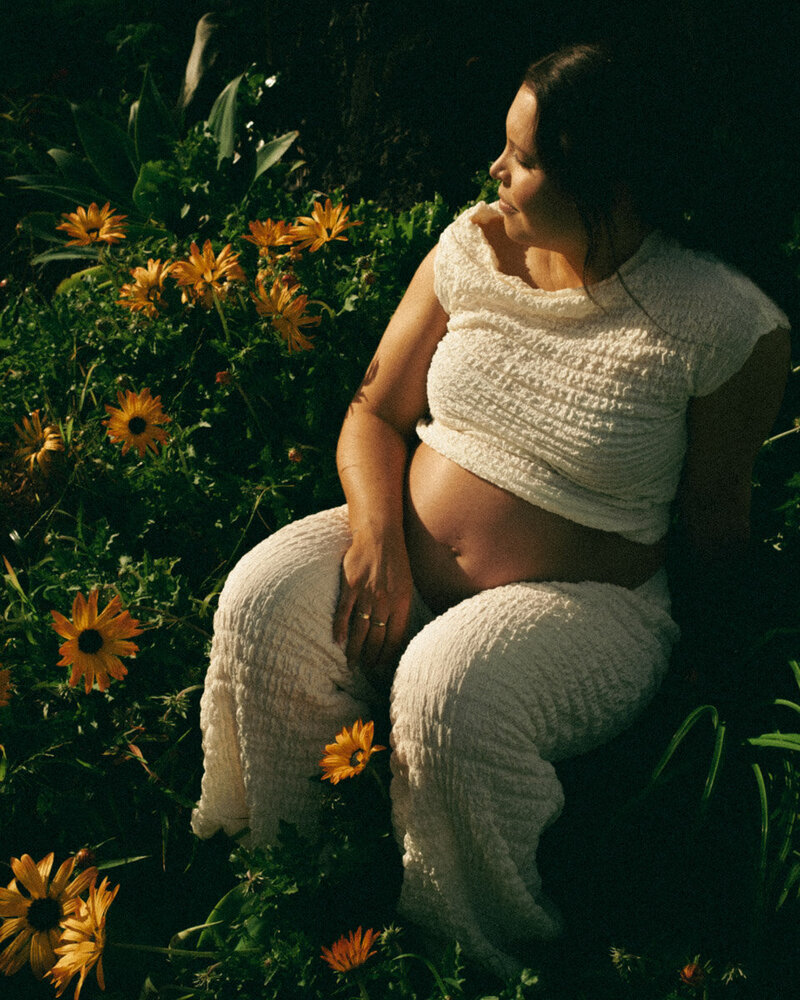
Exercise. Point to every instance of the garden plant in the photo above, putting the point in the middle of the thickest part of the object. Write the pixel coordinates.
(183, 329)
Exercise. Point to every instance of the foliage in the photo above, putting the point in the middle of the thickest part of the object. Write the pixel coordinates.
(253, 417)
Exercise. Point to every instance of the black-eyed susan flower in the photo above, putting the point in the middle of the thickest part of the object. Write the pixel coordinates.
(206, 274)
(33, 908)
(286, 310)
(327, 222)
(93, 225)
(37, 444)
(268, 235)
(83, 941)
(146, 292)
(137, 422)
(351, 752)
(95, 641)
(5, 687)
(350, 951)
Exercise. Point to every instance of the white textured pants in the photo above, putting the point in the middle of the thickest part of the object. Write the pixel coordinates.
(485, 698)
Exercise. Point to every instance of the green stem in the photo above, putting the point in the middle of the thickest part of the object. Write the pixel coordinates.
(361, 987)
(783, 434)
(169, 952)
(249, 406)
(377, 778)
(221, 314)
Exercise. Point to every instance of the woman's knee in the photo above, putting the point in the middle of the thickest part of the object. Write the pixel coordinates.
(289, 572)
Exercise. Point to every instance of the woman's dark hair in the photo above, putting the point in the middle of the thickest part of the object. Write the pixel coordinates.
(602, 131)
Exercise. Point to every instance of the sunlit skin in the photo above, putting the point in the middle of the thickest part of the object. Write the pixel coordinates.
(545, 239)
(419, 519)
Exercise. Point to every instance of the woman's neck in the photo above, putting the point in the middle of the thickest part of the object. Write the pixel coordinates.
(614, 244)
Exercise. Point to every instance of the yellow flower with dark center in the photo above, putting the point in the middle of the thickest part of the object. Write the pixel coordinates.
(5, 688)
(325, 223)
(96, 642)
(83, 941)
(349, 755)
(269, 234)
(349, 952)
(93, 225)
(34, 910)
(205, 274)
(137, 421)
(146, 292)
(38, 444)
(286, 310)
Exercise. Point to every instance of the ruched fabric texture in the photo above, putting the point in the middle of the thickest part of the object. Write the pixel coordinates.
(487, 696)
(578, 404)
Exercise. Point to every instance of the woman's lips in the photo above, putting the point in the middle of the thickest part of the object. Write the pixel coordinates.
(505, 208)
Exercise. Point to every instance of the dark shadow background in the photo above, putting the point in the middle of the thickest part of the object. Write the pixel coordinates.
(396, 101)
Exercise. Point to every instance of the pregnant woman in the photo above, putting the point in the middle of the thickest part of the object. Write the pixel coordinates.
(557, 369)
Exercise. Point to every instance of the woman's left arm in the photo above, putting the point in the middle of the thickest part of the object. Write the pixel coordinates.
(726, 430)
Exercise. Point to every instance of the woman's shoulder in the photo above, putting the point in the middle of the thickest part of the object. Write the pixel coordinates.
(707, 296)
(712, 312)
(463, 257)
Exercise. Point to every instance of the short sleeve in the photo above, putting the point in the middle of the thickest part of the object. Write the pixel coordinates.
(745, 316)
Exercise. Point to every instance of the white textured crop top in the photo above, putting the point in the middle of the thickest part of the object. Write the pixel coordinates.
(579, 406)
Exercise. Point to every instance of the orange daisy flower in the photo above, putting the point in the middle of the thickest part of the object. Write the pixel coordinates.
(349, 952)
(93, 225)
(205, 274)
(38, 444)
(95, 641)
(32, 911)
(137, 422)
(146, 292)
(269, 234)
(286, 310)
(327, 222)
(351, 752)
(83, 941)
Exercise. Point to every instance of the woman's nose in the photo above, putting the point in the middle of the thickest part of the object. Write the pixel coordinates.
(496, 168)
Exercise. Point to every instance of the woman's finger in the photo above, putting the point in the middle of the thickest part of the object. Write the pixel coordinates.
(374, 641)
(359, 627)
(344, 609)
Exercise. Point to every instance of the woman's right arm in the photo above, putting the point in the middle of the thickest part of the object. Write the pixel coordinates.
(371, 456)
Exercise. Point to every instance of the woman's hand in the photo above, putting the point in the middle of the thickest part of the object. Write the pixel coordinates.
(372, 614)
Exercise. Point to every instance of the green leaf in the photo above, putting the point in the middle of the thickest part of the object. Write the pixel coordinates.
(226, 910)
(156, 193)
(120, 862)
(682, 732)
(72, 168)
(75, 279)
(108, 149)
(70, 253)
(48, 184)
(42, 225)
(222, 120)
(271, 152)
(153, 128)
(778, 741)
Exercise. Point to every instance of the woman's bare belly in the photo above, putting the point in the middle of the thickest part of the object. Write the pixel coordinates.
(465, 535)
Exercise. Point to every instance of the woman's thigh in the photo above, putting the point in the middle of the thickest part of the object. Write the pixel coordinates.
(564, 667)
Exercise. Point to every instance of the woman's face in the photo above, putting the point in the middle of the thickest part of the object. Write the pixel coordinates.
(534, 211)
